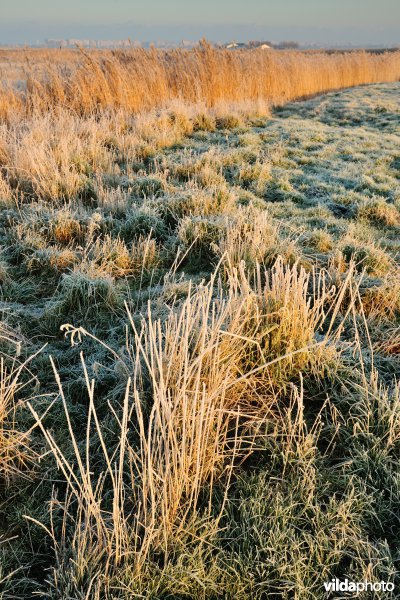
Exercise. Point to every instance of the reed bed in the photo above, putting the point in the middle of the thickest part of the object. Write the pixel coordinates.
(139, 79)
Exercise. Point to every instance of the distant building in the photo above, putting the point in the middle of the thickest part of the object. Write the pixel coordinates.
(260, 44)
(250, 45)
(235, 46)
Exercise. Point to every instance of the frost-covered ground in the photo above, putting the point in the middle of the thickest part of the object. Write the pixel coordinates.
(99, 219)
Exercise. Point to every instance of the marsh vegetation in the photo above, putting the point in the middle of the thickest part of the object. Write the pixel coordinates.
(200, 344)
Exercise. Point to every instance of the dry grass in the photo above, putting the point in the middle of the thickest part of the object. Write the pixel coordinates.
(216, 378)
(382, 302)
(249, 237)
(62, 126)
(16, 453)
(391, 344)
(113, 257)
(143, 79)
(215, 366)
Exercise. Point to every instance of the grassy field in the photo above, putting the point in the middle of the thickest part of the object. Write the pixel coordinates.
(200, 348)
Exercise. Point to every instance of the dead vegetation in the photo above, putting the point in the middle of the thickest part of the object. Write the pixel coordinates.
(225, 422)
(136, 79)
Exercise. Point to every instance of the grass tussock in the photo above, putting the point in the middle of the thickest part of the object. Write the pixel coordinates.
(210, 396)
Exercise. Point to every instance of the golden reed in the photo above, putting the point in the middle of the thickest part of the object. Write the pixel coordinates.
(139, 79)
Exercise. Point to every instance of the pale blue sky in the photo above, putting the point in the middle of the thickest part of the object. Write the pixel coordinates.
(360, 21)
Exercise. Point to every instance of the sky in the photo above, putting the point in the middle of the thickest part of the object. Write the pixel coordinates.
(328, 21)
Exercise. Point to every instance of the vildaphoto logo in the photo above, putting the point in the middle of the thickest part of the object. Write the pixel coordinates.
(335, 585)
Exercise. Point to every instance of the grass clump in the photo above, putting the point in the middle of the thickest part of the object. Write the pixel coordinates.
(380, 213)
(204, 122)
(112, 256)
(51, 261)
(369, 257)
(320, 240)
(145, 186)
(228, 121)
(197, 202)
(199, 236)
(87, 293)
(255, 177)
(141, 222)
(250, 237)
(67, 229)
(382, 301)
